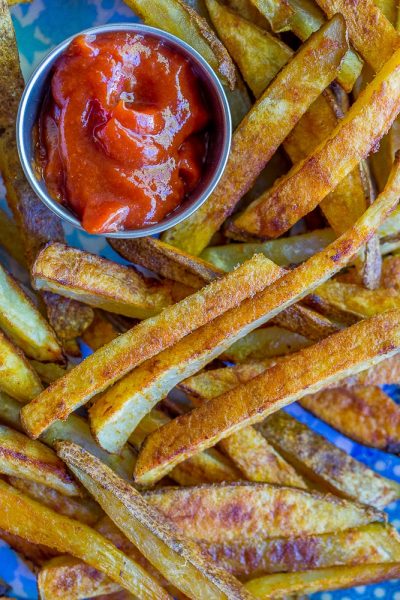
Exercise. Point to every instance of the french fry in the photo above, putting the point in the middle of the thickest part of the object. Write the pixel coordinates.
(277, 12)
(23, 323)
(371, 33)
(115, 413)
(265, 343)
(84, 510)
(167, 261)
(178, 18)
(27, 518)
(245, 41)
(17, 377)
(202, 512)
(146, 339)
(177, 558)
(389, 9)
(282, 251)
(370, 544)
(280, 585)
(49, 372)
(100, 332)
(206, 467)
(247, 10)
(341, 354)
(261, 132)
(330, 467)
(101, 283)
(368, 119)
(363, 413)
(22, 457)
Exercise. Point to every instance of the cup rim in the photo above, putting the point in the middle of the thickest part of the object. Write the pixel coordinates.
(26, 158)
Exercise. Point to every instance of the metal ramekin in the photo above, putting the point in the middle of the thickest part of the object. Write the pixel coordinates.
(220, 129)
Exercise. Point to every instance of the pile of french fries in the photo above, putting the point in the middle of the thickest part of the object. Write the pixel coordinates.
(182, 477)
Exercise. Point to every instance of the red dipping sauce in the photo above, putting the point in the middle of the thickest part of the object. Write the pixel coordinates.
(122, 133)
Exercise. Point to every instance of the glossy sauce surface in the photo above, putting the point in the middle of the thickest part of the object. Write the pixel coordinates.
(122, 132)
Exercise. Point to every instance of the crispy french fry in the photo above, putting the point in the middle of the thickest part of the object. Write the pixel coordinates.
(245, 511)
(84, 510)
(265, 343)
(100, 332)
(370, 32)
(280, 585)
(389, 9)
(363, 413)
(102, 283)
(368, 119)
(247, 10)
(177, 558)
(167, 261)
(245, 41)
(341, 354)
(382, 160)
(206, 467)
(10, 240)
(262, 131)
(283, 251)
(370, 544)
(320, 461)
(277, 12)
(178, 18)
(146, 339)
(20, 515)
(115, 413)
(23, 323)
(31, 459)
(17, 377)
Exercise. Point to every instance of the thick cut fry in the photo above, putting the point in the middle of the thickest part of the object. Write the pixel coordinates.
(100, 332)
(310, 180)
(19, 515)
(177, 558)
(206, 467)
(262, 131)
(327, 465)
(247, 10)
(370, 544)
(370, 32)
(245, 41)
(265, 343)
(178, 18)
(84, 510)
(167, 261)
(246, 511)
(277, 12)
(76, 429)
(341, 354)
(22, 457)
(23, 323)
(49, 372)
(389, 9)
(283, 251)
(101, 283)
(280, 585)
(17, 377)
(114, 414)
(146, 339)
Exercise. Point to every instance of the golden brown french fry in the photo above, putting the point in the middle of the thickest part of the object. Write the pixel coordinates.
(100, 332)
(382, 160)
(363, 413)
(245, 42)
(341, 354)
(202, 512)
(146, 339)
(167, 261)
(10, 240)
(389, 9)
(177, 558)
(206, 467)
(31, 459)
(261, 132)
(368, 119)
(321, 461)
(266, 342)
(17, 377)
(84, 510)
(247, 10)
(370, 32)
(370, 544)
(20, 515)
(102, 283)
(178, 18)
(24, 324)
(277, 12)
(280, 585)
(114, 414)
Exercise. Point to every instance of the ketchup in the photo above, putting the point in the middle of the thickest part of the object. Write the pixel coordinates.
(122, 132)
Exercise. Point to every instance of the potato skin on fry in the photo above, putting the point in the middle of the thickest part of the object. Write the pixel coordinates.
(17, 377)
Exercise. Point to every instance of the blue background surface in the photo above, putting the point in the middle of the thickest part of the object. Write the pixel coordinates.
(40, 26)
